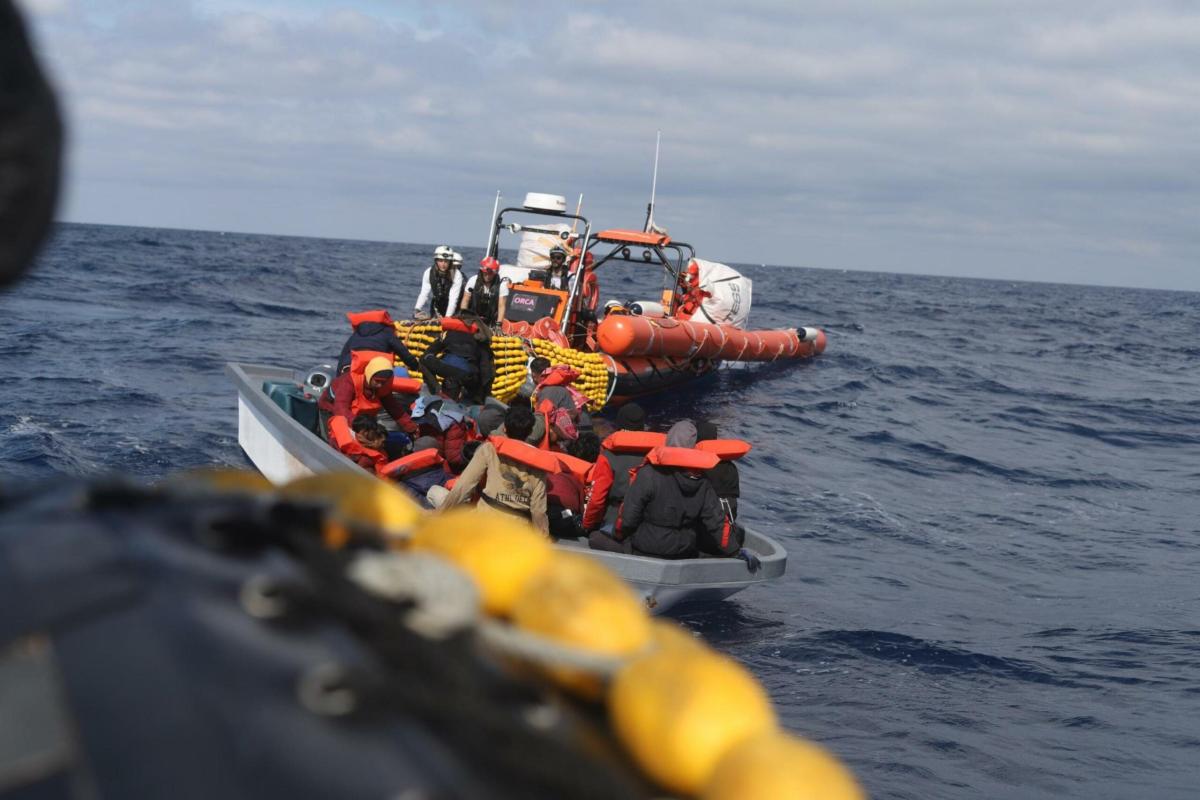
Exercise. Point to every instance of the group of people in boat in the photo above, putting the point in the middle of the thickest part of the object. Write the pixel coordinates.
(542, 457)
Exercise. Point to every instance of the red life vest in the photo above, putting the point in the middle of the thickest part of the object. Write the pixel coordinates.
(524, 453)
(406, 385)
(413, 462)
(358, 318)
(361, 404)
(682, 457)
(456, 324)
(633, 441)
(725, 449)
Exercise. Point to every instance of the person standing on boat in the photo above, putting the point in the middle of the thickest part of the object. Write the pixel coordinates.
(375, 332)
(486, 293)
(512, 472)
(441, 286)
(463, 353)
(365, 390)
(556, 275)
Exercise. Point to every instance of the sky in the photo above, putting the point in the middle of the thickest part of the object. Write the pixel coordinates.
(1012, 140)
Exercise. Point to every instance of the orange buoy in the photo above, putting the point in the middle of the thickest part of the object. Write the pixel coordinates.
(628, 335)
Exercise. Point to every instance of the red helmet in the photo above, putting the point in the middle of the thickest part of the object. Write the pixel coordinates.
(693, 268)
(489, 264)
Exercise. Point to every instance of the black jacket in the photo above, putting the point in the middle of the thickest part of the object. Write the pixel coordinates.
(377, 336)
(475, 353)
(665, 513)
(727, 484)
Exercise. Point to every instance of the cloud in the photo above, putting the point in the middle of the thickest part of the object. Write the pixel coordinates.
(933, 134)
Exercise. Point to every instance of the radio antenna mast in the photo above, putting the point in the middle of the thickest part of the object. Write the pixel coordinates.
(653, 187)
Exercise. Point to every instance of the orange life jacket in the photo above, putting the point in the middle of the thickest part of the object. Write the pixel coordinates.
(413, 462)
(683, 457)
(633, 441)
(725, 449)
(358, 318)
(406, 385)
(524, 453)
(361, 404)
(456, 324)
(576, 466)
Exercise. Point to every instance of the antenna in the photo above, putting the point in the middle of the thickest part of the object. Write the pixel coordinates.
(492, 231)
(653, 186)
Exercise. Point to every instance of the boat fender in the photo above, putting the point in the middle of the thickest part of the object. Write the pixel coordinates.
(413, 462)
(357, 318)
(725, 449)
(682, 457)
(633, 441)
(576, 466)
(648, 308)
(808, 334)
(525, 454)
(456, 324)
(407, 385)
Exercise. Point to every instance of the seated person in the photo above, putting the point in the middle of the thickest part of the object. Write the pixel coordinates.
(512, 472)
(610, 478)
(375, 332)
(724, 477)
(423, 469)
(444, 419)
(669, 504)
(565, 490)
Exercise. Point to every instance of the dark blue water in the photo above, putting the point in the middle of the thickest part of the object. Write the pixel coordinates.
(988, 490)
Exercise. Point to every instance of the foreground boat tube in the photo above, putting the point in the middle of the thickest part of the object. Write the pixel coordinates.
(621, 335)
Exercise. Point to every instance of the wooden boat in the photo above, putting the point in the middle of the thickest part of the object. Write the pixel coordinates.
(278, 434)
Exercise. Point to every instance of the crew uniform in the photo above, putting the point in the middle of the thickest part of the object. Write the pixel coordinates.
(483, 298)
(442, 287)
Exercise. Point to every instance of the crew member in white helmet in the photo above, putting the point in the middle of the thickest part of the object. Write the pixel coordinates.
(442, 284)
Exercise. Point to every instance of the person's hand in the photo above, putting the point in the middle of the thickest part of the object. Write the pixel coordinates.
(751, 560)
(418, 314)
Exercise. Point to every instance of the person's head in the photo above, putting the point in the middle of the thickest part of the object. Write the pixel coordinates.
(456, 259)
(482, 334)
(443, 258)
(587, 446)
(631, 417)
(682, 434)
(537, 366)
(369, 433)
(490, 418)
(452, 389)
(562, 427)
(489, 270)
(705, 431)
(558, 258)
(378, 376)
(518, 422)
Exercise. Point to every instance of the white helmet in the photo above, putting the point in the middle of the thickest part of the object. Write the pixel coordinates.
(443, 253)
(456, 258)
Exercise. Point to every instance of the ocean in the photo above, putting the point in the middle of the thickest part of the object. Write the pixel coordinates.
(987, 489)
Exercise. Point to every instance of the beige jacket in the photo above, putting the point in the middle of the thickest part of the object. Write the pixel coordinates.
(506, 482)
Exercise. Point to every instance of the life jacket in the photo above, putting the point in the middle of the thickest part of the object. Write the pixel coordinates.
(407, 385)
(413, 462)
(456, 324)
(682, 457)
(633, 441)
(725, 449)
(358, 318)
(440, 284)
(523, 453)
(576, 466)
(559, 375)
(361, 404)
(485, 299)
